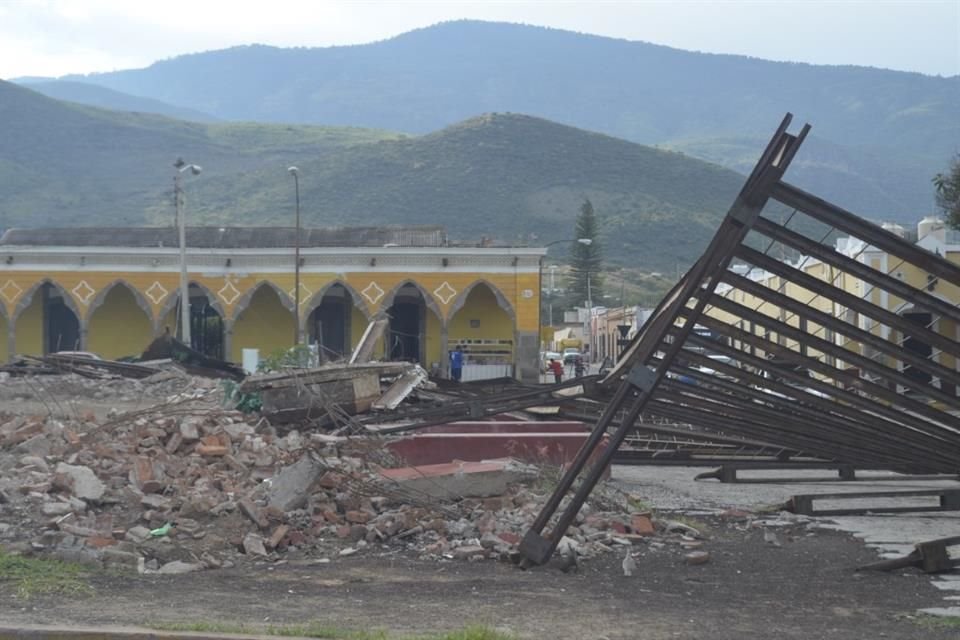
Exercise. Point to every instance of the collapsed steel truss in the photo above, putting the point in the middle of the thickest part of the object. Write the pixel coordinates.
(828, 352)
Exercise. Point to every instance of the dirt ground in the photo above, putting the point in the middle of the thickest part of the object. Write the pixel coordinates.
(805, 589)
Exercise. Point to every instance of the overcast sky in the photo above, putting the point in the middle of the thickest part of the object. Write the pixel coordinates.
(57, 37)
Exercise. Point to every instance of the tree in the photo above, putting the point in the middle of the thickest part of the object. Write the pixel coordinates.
(586, 260)
(947, 187)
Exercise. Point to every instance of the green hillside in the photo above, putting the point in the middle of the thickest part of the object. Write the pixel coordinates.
(514, 178)
(66, 164)
(885, 132)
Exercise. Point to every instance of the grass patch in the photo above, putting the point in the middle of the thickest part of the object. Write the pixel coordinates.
(38, 576)
(938, 622)
(327, 632)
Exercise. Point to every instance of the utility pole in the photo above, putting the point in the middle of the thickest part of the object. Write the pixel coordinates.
(296, 259)
(182, 166)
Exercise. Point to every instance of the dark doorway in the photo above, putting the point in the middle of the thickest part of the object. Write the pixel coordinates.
(329, 323)
(407, 323)
(918, 347)
(206, 325)
(61, 325)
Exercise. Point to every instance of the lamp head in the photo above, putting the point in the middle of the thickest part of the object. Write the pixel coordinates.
(294, 171)
(195, 169)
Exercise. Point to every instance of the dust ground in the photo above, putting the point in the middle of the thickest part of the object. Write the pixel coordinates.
(805, 589)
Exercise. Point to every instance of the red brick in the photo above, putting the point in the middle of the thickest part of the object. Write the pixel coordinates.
(642, 525)
(508, 537)
(331, 480)
(358, 517)
(277, 537)
(619, 527)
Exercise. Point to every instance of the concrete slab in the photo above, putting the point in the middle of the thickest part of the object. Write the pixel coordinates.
(461, 479)
(551, 448)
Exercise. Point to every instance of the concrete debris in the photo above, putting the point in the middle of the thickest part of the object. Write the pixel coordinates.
(629, 564)
(290, 488)
(80, 481)
(403, 387)
(156, 476)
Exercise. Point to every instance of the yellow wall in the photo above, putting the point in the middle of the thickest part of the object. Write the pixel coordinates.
(481, 304)
(4, 356)
(119, 327)
(29, 327)
(265, 325)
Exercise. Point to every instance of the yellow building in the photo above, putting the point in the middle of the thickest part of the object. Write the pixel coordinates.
(112, 290)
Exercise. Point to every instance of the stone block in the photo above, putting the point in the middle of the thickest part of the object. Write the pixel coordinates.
(83, 482)
(290, 488)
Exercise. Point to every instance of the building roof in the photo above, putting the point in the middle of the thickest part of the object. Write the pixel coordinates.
(228, 237)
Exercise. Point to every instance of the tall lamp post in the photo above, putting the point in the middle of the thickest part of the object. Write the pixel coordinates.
(585, 242)
(295, 172)
(194, 169)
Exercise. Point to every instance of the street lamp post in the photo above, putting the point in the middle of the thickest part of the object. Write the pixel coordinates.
(295, 172)
(585, 242)
(553, 287)
(589, 331)
(194, 169)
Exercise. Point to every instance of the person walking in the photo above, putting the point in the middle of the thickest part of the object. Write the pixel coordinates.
(578, 367)
(557, 368)
(456, 364)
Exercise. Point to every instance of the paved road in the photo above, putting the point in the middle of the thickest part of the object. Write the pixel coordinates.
(673, 488)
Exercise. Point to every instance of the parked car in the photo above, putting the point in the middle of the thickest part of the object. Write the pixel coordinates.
(570, 355)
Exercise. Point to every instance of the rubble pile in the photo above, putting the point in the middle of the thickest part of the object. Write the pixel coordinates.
(186, 484)
(69, 387)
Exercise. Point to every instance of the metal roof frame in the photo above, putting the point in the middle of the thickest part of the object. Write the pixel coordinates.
(878, 392)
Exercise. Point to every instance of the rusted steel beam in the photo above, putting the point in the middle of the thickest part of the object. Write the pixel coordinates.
(910, 427)
(911, 411)
(830, 292)
(848, 440)
(854, 334)
(842, 220)
(827, 347)
(882, 281)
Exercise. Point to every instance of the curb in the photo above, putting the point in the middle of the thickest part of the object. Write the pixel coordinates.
(53, 632)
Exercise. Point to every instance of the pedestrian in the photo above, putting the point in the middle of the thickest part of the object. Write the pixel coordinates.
(578, 368)
(456, 364)
(557, 369)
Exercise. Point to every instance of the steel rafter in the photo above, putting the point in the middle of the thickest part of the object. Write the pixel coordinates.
(827, 353)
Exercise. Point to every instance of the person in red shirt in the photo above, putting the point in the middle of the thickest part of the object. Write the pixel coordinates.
(557, 370)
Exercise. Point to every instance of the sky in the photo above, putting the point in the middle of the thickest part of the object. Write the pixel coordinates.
(58, 37)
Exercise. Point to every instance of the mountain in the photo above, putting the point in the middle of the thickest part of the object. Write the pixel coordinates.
(879, 135)
(66, 164)
(97, 96)
(514, 178)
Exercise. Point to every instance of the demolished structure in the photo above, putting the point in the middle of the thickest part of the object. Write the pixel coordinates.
(814, 361)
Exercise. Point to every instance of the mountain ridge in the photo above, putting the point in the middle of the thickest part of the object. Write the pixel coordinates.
(517, 178)
(896, 129)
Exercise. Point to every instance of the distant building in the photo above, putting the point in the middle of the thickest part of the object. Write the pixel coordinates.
(112, 290)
